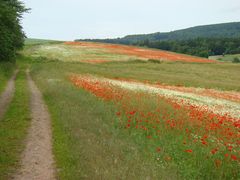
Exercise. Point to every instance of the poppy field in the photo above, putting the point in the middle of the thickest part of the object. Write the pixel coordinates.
(196, 133)
(135, 119)
(90, 52)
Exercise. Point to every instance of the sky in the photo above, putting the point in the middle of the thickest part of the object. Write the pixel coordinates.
(81, 19)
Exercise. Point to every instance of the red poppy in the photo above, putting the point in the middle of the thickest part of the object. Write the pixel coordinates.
(213, 151)
(189, 150)
(233, 157)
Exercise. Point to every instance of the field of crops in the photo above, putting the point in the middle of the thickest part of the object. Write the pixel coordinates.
(134, 118)
(99, 53)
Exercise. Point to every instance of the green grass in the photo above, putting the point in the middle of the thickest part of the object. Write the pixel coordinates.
(222, 76)
(88, 143)
(31, 41)
(6, 70)
(67, 53)
(226, 58)
(13, 127)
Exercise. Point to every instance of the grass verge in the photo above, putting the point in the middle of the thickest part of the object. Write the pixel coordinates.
(13, 127)
(6, 70)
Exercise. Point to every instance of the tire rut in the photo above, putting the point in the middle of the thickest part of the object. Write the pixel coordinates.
(37, 160)
(7, 95)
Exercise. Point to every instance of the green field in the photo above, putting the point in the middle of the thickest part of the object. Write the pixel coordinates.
(215, 76)
(91, 142)
(87, 142)
(158, 106)
(30, 41)
(67, 53)
(226, 58)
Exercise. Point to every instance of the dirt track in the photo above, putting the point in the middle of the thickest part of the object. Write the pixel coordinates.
(7, 95)
(37, 161)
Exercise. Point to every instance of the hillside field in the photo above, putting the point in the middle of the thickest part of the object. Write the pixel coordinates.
(123, 112)
(225, 58)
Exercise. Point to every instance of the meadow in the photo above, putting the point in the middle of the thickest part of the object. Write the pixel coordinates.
(121, 115)
(226, 58)
(106, 131)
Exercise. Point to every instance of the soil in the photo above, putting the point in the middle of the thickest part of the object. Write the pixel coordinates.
(37, 160)
(7, 95)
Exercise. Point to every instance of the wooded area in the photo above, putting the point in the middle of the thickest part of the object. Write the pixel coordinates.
(11, 33)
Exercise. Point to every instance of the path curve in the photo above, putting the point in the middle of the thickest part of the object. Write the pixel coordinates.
(37, 161)
(7, 95)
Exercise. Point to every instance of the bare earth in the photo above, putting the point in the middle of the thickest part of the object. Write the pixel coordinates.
(37, 161)
(7, 95)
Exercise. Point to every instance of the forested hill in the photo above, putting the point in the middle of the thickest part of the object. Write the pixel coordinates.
(225, 30)
(203, 41)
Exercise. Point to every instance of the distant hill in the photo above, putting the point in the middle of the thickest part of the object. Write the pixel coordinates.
(225, 30)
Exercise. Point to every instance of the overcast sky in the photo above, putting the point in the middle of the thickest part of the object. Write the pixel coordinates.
(72, 19)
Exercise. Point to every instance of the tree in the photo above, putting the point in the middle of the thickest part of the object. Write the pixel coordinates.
(11, 33)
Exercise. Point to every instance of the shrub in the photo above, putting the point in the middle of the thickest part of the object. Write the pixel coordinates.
(236, 60)
(154, 61)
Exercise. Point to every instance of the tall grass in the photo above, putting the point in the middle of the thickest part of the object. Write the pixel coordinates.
(88, 141)
(222, 76)
(6, 70)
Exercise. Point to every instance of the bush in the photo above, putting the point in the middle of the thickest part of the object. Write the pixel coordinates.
(236, 60)
(154, 61)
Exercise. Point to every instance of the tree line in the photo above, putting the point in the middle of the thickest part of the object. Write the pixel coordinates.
(11, 32)
(203, 47)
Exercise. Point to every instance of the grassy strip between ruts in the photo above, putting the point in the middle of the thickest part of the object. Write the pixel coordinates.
(13, 127)
(6, 69)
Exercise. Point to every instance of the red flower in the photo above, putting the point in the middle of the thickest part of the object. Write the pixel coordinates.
(205, 137)
(132, 112)
(214, 151)
(158, 149)
(128, 125)
(233, 157)
(230, 148)
(189, 150)
(204, 142)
